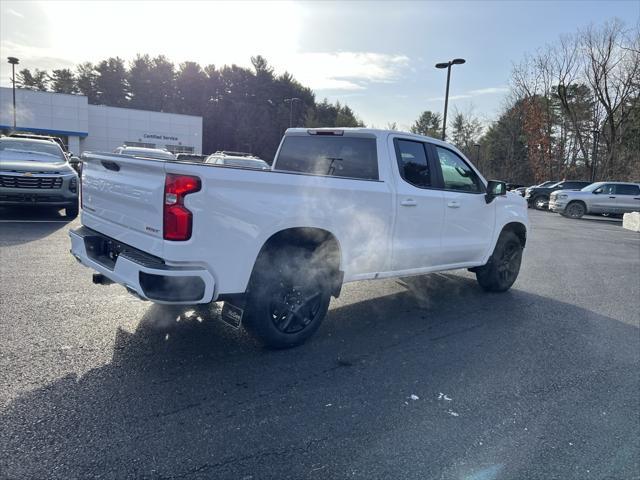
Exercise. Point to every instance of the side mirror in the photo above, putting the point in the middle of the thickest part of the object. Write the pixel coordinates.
(597, 192)
(495, 188)
(75, 163)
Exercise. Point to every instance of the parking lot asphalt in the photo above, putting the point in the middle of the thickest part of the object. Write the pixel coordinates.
(420, 378)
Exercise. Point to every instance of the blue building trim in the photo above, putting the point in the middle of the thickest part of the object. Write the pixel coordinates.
(46, 131)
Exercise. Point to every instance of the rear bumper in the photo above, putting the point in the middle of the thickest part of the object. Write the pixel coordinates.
(144, 275)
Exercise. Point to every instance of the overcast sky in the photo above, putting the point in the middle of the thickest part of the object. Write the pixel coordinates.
(376, 56)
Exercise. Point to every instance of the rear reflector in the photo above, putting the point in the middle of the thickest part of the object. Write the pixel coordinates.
(178, 220)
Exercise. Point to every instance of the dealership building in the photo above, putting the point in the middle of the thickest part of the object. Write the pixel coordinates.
(83, 126)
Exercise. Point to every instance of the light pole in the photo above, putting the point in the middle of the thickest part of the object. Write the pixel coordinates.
(13, 61)
(447, 65)
(594, 155)
(291, 101)
(477, 145)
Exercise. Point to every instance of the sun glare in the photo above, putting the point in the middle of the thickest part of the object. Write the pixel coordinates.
(216, 32)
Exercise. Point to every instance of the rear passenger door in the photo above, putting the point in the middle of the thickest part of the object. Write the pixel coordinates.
(419, 208)
(469, 221)
(627, 198)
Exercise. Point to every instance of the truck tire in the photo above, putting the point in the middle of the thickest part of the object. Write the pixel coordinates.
(575, 210)
(503, 266)
(71, 212)
(288, 298)
(540, 201)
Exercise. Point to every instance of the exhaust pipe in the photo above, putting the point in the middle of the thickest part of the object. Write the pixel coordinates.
(100, 279)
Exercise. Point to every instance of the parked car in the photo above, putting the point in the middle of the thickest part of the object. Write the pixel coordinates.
(520, 191)
(237, 159)
(538, 197)
(142, 152)
(38, 173)
(338, 206)
(610, 198)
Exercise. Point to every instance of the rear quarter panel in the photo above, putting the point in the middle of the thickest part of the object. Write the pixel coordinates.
(238, 210)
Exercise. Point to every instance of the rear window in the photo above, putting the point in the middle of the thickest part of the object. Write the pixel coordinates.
(334, 156)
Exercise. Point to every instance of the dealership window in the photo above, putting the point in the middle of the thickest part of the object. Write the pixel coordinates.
(180, 149)
(140, 144)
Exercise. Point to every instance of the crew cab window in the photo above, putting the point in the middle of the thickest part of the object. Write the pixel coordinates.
(627, 190)
(335, 156)
(457, 175)
(412, 162)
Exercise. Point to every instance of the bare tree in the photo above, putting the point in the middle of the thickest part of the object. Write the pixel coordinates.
(612, 67)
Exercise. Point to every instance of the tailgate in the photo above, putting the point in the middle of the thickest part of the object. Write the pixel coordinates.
(124, 191)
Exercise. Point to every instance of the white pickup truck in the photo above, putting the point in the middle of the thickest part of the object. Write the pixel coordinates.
(337, 206)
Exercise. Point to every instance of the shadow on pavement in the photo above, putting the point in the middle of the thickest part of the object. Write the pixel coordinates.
(25, 224)
(591, 218)
(532, 385)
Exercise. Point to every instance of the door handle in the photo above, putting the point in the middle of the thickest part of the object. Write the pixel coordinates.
(612, 197)
(409, 202)
(453, 204)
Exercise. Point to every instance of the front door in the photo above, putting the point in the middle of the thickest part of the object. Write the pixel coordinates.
(419, 208)
(604, 200)
(469, 221)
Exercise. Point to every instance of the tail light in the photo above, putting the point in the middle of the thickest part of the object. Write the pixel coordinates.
(178, 219)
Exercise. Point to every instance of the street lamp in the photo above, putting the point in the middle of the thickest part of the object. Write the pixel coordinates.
(447, 65)
(291, 101)
(594, 155)
(13, 61)
(477, 145)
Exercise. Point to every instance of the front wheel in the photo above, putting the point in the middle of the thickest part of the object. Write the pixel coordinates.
(503, 266)
(71, 212)
(575, 210)
(541, 202)
(288, 299)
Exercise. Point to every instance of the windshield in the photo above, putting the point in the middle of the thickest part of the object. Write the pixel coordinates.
(22, 149)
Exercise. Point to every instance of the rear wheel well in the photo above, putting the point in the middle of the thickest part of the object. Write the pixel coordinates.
(322, 244)
(519, 229)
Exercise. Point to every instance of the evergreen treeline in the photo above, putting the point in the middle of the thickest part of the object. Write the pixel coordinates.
(242, 109)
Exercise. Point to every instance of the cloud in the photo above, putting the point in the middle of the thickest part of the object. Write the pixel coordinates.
(472, 94)
(343, 70)
(489, 91)
(15, 13)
